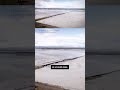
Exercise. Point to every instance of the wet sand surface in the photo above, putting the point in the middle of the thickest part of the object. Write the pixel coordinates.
(103, 72)
(66, 20)
(72, 79)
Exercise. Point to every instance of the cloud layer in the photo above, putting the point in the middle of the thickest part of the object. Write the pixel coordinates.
(59, 40)
(60, 3)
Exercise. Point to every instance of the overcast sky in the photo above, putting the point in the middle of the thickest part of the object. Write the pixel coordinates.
(60, 37)
(60, 3)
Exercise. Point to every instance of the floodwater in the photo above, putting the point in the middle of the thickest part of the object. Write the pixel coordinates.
(41, 13)
(72, 79)
(60, 13)
(45, 56)
(61, 18)
(67, 20)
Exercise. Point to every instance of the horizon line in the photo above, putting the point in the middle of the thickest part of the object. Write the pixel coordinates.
(63, 8)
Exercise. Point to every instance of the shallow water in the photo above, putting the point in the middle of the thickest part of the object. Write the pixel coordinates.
(73, 79)
(66, 20)
(40, 13)
(43, 56)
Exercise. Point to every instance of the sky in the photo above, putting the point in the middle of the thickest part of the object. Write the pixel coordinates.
(60, 3)
(60, 37)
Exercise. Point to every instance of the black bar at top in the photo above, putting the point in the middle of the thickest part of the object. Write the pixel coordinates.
(17, 2)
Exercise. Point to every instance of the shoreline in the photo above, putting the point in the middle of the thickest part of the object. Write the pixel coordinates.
(43, 86)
